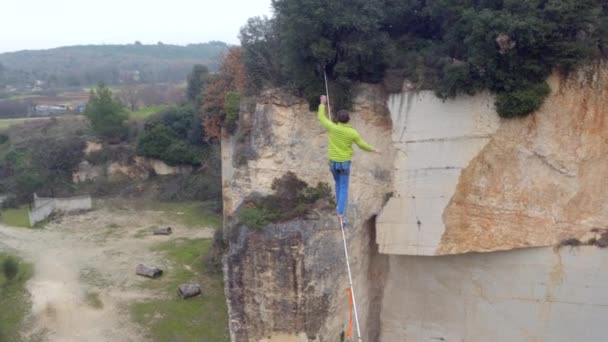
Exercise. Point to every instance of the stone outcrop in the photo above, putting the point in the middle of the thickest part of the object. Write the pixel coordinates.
(540, 179)
(287, 282)
(453, 179)
(467, 182)
(435, 140)
(137, 168)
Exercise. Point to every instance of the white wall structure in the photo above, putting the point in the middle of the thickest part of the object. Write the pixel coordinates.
(435, 140)
(527, 295)
(44, 207)
(478, 207)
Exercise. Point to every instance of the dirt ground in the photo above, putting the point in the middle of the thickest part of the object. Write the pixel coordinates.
(84, 271)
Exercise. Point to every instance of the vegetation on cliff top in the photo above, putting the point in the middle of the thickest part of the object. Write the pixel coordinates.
(453, 47)
(292, 198)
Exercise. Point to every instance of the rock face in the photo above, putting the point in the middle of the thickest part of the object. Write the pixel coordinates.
(540, 179)
(455, 179)
(435, 140)
(467, 182)
(534, 294)
(137, 168)
(287, 282)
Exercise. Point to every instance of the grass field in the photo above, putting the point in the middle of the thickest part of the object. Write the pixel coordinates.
(6, 123)
(14, 300)
(192, 214)
(15, 217)
(146, 112)
(202, 318)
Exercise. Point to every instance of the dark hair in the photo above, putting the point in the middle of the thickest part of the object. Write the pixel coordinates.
(343, 116)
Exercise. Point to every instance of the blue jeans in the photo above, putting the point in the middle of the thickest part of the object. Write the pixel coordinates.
(341, 173)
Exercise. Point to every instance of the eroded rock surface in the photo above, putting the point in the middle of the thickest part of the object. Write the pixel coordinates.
(540, 179)
(287, 282)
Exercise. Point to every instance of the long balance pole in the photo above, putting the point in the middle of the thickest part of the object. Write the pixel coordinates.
(350, 279)
(327, 92)
(350, 276)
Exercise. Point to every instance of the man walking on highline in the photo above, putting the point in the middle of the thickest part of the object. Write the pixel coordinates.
(341, 137)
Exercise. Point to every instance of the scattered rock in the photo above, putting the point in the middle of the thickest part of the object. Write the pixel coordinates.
(595, 237)
(189, 290)
(570, 242)
(147, 271)
(163, 231)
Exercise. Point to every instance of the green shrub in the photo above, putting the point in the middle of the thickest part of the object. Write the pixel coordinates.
(232, 103)
(173, 136)
(107, 115)
(255, 217)
(452, 47)
(153, 143)
(10, 202)
(180, 153)
(523, 101)
(292, 198)
(3, 138)
(10, 267)
(100, 157)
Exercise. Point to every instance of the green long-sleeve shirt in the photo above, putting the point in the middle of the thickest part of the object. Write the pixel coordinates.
(341, 138)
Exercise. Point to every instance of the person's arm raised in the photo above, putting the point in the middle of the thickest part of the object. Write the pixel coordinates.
(322, 114)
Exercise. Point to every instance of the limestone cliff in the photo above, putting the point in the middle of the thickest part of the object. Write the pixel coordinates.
(540, 179)
(453, 179)
(287, 282)
(469, 182)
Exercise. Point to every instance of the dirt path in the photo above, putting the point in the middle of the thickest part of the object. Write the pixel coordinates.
(84, 272)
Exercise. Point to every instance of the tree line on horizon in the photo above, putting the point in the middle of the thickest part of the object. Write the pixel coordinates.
(78, 66)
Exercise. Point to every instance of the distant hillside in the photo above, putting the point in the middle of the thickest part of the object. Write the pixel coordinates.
(86, 65)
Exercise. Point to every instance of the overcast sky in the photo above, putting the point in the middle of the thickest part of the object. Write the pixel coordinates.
(43, 24)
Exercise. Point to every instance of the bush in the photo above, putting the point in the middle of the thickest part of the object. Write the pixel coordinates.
(196, 187)
(153, 143)
(10, 202)
(522, 101)
(180, 153)
(100, 157)
(452, 47)
(110, 153)
(3, 138)
(10, 267)
(231, 108)
(292, 198)
(174, 136)
(107, 115)
(255, 217)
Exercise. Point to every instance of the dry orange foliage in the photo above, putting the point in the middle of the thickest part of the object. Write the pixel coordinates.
(230, 77)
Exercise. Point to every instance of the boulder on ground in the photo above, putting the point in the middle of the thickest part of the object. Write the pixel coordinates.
(189, 290)
(147, 271)
(163, 231)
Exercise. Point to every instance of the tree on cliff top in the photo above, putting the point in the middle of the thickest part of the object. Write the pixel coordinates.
(230, 78)
(107, 116)
(452, 47)
(197, 80)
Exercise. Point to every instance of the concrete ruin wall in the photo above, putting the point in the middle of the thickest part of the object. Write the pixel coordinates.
(536, 294)
(435, 140)
(43, 207)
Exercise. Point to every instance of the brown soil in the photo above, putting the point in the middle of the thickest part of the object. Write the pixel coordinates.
(91, 253)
